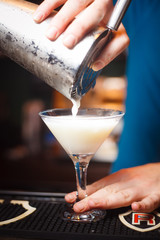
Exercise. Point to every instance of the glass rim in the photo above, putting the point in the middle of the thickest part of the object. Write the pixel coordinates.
(120, 113)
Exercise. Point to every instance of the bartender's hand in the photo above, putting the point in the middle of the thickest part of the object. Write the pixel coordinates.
(138, 187)
(78, 17)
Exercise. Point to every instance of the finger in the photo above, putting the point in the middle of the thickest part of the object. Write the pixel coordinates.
(148, 204)
(65, 16)
(105, 200)
(45, 8)
(111, 186)
(116, 46)
(108, 180)
(113, 183)
(85, 22)
(71, 197)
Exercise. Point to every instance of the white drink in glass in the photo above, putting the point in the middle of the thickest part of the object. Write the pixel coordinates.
(81, 135)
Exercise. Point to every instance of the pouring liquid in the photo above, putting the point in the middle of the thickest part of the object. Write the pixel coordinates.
(75, 107)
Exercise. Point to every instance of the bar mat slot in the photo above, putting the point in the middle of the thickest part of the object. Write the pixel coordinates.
(45, 223)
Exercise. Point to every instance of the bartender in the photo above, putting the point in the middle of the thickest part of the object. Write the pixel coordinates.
(135, 185)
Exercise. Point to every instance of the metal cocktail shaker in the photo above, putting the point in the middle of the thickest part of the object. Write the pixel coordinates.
(24, 41)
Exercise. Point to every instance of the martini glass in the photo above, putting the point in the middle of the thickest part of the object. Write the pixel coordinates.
(81, 136)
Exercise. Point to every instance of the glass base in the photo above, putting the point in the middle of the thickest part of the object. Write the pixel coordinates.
(93, 215)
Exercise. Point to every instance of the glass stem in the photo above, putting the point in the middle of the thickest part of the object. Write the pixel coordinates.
(81, 179)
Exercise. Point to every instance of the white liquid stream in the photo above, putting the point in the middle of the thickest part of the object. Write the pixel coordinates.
(76, 105)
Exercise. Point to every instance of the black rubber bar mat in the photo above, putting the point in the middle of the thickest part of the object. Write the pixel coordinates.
(40, 219)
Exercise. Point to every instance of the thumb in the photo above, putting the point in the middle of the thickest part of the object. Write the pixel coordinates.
(96, 200)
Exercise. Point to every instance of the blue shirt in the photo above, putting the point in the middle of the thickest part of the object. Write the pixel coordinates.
(140, 139)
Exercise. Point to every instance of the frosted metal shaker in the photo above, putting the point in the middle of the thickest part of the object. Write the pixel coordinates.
(66, 70)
